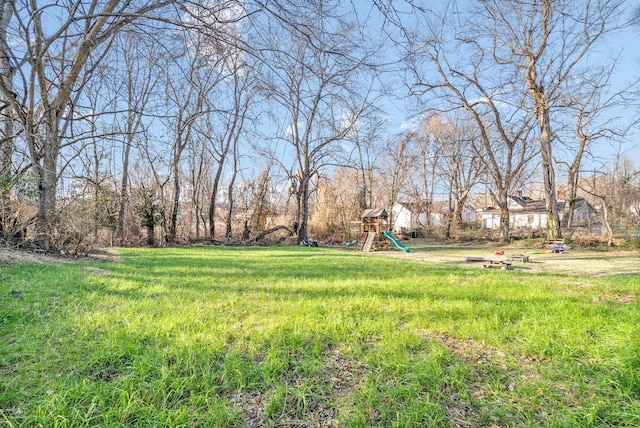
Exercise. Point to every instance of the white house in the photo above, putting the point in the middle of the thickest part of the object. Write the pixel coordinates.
(411, 216)
(525, 212)
(402, 216)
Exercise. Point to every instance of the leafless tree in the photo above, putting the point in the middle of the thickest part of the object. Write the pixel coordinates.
(7, 118)
(137, 73)
(396, 170)
(451, 71)
(62, 46)
(547, 43)
(243, 91)
(588, 105)
(459, 166)
(317, 65)
(198, 173)
(189, 85)
(368, 141)
(613, 187)
(425, 153)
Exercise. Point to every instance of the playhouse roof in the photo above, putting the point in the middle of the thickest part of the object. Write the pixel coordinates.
(375, 212)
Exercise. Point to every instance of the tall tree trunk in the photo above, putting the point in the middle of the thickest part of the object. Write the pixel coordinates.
(173, 220)
(124, 192)
(549, 179)
(6, 175)
(197, 176)
(540, 102)
(6, 119)
(503, 204)
(232, 182)
(214, 197)
(573, 175)
(47, 183)
(302, 210)
(541, 106)
(572, 192)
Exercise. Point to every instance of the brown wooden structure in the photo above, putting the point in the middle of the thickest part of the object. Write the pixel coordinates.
(374, 222)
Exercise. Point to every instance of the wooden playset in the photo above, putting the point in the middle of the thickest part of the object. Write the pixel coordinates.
(374, 223)
(375, 232)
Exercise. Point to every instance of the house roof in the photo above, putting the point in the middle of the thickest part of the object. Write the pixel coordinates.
(375, 212)
(525, 203)
(531, 206)
(413, 207)
(437, 206)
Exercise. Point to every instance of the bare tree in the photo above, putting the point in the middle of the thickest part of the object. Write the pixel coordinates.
(588, 106)
(495, 101)
(243, 93)
(54, 62)
(135, 88)
(199, 169)
(189, 102)
(426, 155)
(7, 117)
(546, 42)
(240, 85)
(460, 165)
(367, 139)
(396, 170)
(613, 187)
(316, 69)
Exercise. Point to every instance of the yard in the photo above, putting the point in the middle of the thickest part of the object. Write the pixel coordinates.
(570, 262)
(297, 336)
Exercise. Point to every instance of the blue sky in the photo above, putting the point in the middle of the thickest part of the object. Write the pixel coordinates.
(622, 44)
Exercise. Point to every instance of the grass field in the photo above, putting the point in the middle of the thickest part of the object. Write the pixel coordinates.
(294, 336)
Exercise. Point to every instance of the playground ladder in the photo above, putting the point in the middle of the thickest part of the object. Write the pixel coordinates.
(369, 242)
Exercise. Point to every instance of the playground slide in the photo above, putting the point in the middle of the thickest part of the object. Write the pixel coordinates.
(396, 241)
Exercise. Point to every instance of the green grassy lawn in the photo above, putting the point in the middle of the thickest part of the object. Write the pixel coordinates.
(261, 337)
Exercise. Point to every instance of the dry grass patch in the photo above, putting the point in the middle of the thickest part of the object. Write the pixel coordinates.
(575, 262)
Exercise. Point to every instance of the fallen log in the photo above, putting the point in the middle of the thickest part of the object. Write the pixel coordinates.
(268, 232)
(249, 242)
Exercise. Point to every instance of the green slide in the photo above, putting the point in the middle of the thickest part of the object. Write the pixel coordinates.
(396, 241)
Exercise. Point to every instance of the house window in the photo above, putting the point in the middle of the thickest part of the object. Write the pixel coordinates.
(529, 219)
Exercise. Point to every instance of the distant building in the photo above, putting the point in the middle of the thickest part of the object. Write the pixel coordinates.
(411, 216)
(525, 212)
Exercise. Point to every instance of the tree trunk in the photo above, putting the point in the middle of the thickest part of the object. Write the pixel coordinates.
(540, 102)
(504, 234)
(572, 192)
(6, 174)
(548, 172)
(47, 183)
(151, 238)
(549, 179)
(214, 196)
(606, 222)
(123, 191)
(96, 214)
(573, 175)
(173, 221)
(234, 174)
(197, 177)
(458, 208)
(6, 120)
(302, 211)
